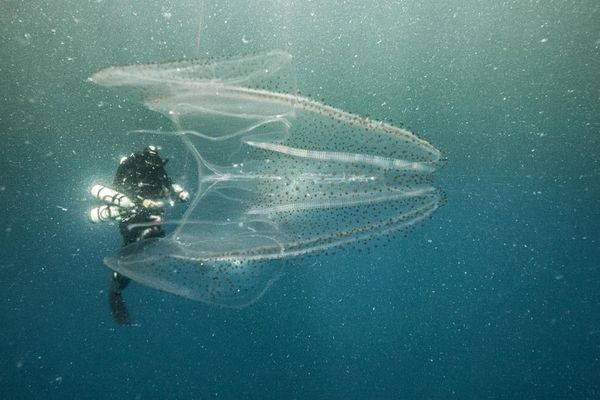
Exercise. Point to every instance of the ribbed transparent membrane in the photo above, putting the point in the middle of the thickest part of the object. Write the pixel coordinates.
(279, 176)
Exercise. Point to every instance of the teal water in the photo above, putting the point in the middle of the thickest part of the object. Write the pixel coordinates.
(496, 296)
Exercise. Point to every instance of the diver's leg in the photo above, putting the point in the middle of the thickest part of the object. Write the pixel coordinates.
(128, 233)
(115, 299)
(153, 231)
(119, 281)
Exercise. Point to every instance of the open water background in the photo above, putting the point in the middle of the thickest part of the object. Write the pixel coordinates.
(495, 297)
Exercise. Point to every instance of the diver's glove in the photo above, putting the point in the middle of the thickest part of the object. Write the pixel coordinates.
(182, 195)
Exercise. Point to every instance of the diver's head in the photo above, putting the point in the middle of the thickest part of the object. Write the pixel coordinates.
(151, 149)
(151, 156)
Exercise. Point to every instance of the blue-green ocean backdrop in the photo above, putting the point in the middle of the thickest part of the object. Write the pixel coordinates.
(497, 296)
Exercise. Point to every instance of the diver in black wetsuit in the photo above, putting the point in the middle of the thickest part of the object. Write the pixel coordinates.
(143, 179)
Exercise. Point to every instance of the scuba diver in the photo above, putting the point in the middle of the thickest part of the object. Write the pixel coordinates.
(136, 200)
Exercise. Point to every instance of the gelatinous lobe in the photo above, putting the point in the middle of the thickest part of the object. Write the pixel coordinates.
(279, 176)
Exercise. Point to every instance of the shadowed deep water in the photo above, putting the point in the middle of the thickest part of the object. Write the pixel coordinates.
(496, 296)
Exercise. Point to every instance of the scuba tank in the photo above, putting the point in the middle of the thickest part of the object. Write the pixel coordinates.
(106, 213)
(111, 196)
(118, 205)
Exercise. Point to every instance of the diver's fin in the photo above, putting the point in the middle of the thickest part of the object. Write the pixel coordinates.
(117, 305)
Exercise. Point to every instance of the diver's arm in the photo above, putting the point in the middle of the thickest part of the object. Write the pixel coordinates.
(152, 204)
